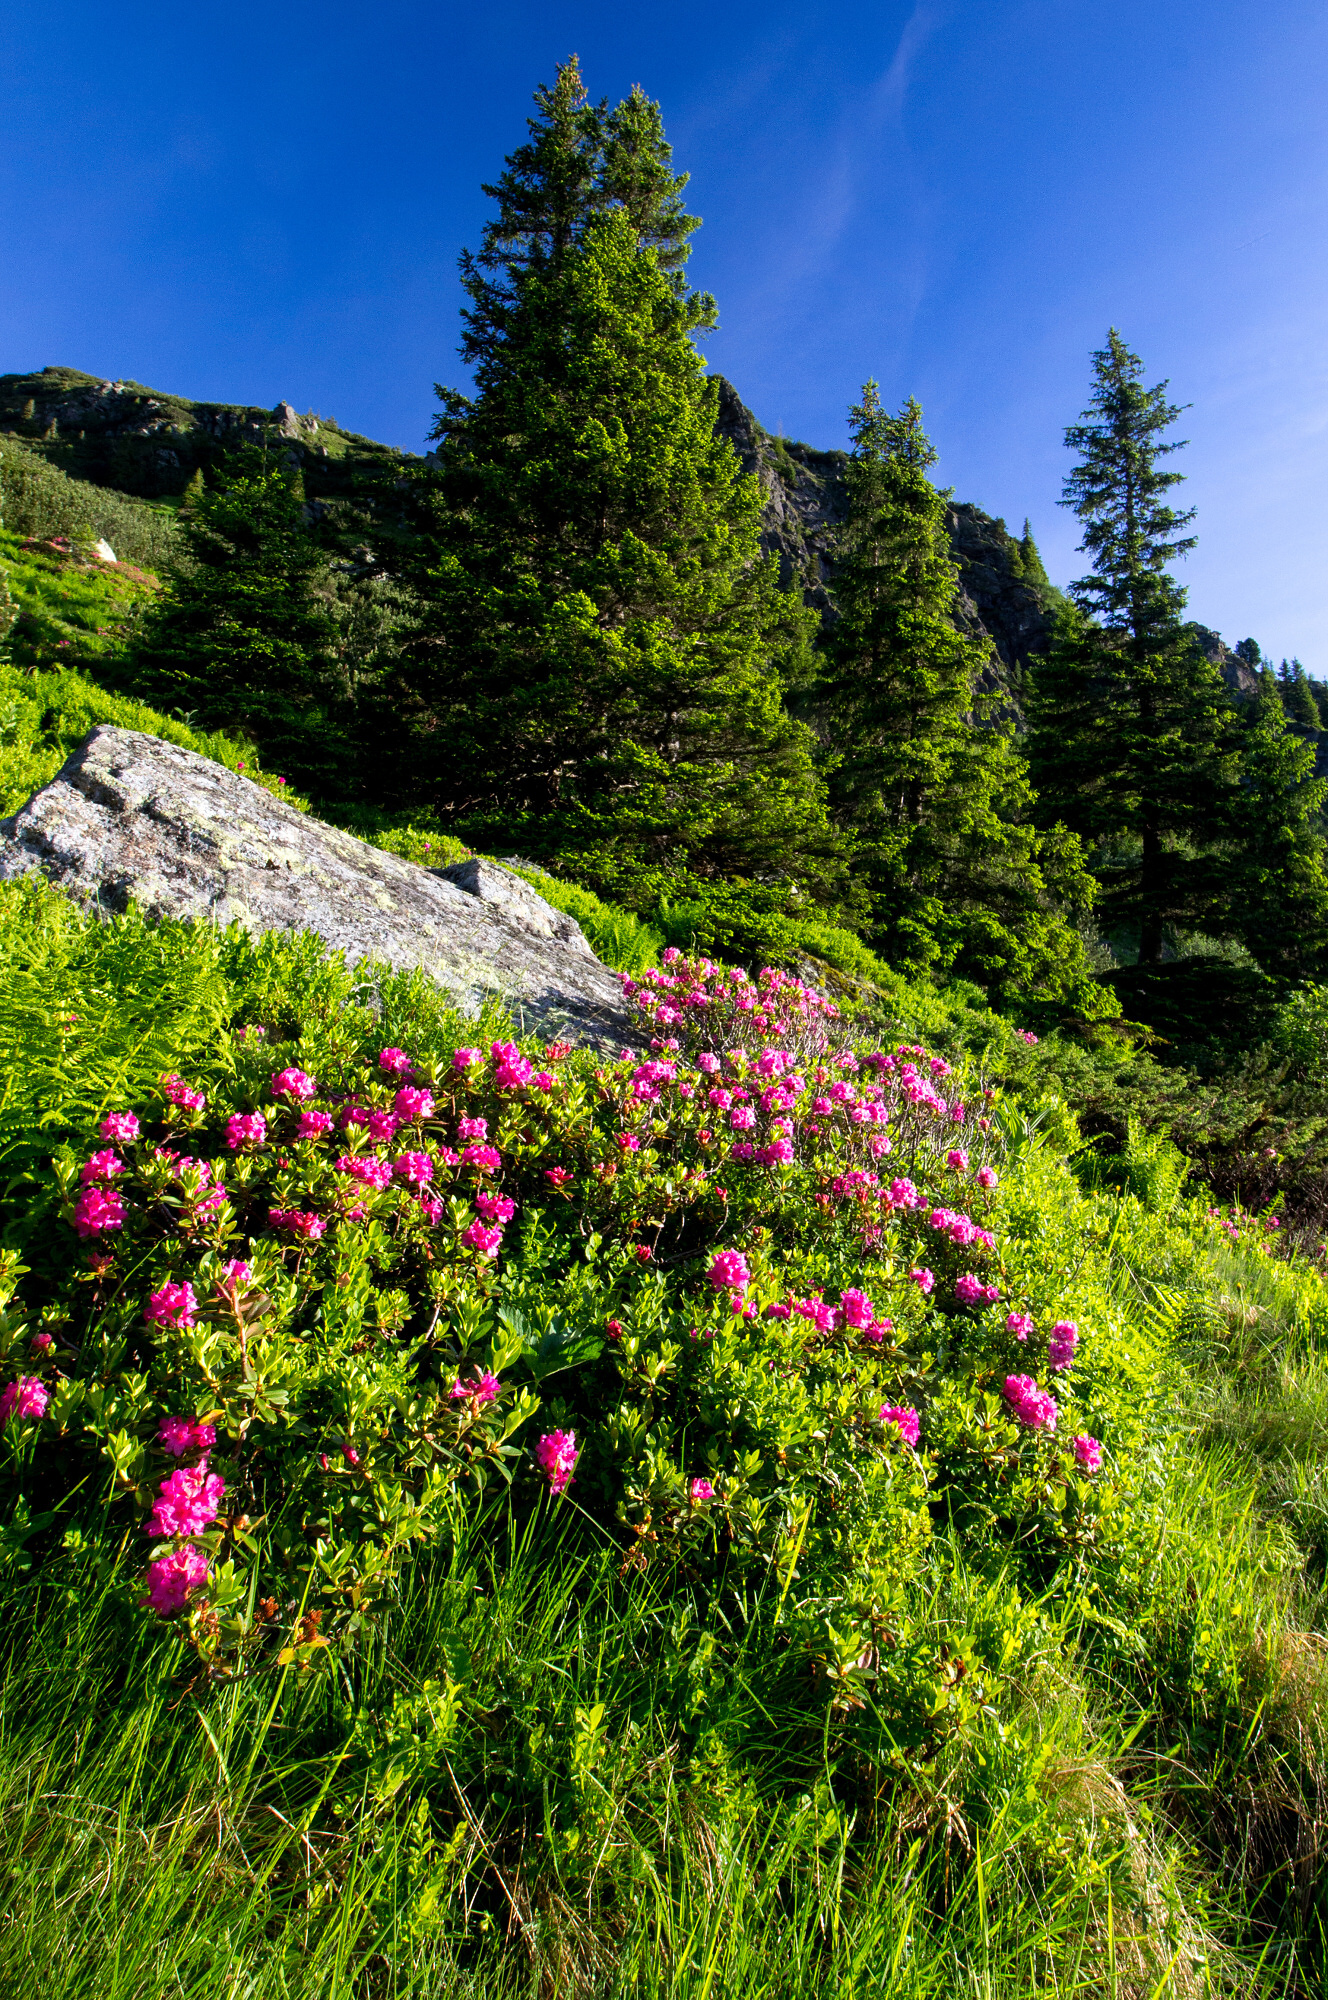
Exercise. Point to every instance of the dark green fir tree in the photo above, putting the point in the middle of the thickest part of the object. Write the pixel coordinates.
(1132, 734)
(241, 639)
(598, 674)
(1277, 889)
(925, 780)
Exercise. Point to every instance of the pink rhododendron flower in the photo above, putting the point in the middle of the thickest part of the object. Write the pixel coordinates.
(173, 1305)
(27, 1397)
(1020, 1325)
(483, 1387)
(366, 1168)
(958, 1159)
(246, 1129)
(484, 1240)
(708, 1064)
(511, 1068)
(188, 1501)
(904, 1418)
(177, 1091)
(856, 1307)
(233, 1274)
(381, 1126)
(473, 1128)
(644, 1253)
(43, 1342)
(923, 1279)
(295, 1084)
(101, 1169)
(1061, 1343)
(171, 1578)
(299, 1222)
(700, 1490)
(1033, 1406)
(120, 1127)
(395, 1061)
(556, 1455)
(177, 1435)
(779, 1153)
(628, 1142)
(417, 1168)
(466, 1058)
(495, 1207)
(98, 1209)
(481, 1156)
(1088, 1453)
(729, 1272)
(314, 1124)
(557, 1176)
(903, 1194)
(970, 1291)
(410, 1104)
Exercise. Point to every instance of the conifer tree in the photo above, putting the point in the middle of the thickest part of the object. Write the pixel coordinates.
(1275, 880)
(240, 639)
(1132, 739)
(598, 669)
(1297, 696)
(937, 803)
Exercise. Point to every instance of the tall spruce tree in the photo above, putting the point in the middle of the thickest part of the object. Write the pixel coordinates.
(598, 669)
(932, 791)
(241, 639)
(1274, 876)
(1132, 737)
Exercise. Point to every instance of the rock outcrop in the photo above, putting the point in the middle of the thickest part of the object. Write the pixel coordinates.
(131, 818)
(805, 499)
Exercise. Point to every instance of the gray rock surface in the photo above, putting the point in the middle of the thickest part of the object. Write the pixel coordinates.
(131, 818)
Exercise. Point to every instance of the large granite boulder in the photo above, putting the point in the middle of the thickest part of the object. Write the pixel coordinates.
(131, 818)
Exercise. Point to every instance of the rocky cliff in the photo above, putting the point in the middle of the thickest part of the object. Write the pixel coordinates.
(806, 500)
(130, 817)
(145, 442)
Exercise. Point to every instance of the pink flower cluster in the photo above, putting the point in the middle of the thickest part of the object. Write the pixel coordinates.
(177, 1435)
(411, 1106)
(171, 1578)
(556, 1455)
(904, 1418)
(28, 1397)
(730, 1272)
(297, 1222)
(1062, 1343)
(120, 1127)
(294, 1084)
(188, 1502)
(174, 1305)
(1088, 1453)
(483, 1387)
(970, 1291)
(97, 1210)
(1033, 1406)
(367, 1168)
(245, 1129)
(178, 1092)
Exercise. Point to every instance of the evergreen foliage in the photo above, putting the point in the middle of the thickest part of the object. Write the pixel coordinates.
(242, 641)
(602, 654)
(929, 785)
(1132, 734)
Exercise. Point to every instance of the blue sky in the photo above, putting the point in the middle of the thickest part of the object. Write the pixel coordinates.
(955, 196)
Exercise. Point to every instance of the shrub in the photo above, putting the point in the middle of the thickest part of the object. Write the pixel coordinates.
(308, 1322)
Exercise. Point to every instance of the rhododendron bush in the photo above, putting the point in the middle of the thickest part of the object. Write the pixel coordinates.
(738, 1291)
